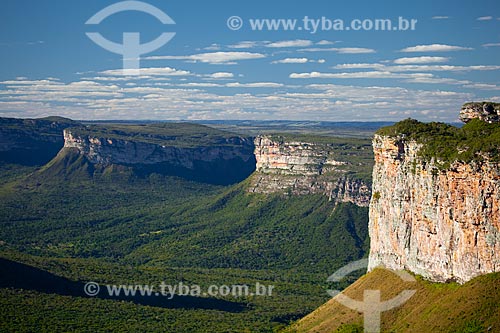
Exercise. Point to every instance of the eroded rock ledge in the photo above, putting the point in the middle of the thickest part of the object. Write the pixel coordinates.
(222, 160)
(300, 168)
(485, 111)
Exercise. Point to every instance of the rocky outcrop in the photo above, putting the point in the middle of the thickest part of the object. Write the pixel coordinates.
(229, 161)
(485, 111)
(300, 168)
(442, 224)
(108, 151)
(292, 157)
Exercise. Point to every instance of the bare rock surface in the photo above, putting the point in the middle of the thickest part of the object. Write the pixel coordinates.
(442, 224)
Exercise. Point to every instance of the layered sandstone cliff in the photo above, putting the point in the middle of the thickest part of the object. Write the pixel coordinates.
(441, 223)
(219, 159)
(106, 151)
(299, 168)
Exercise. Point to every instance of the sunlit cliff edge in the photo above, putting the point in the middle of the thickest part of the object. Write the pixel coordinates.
(435, 209)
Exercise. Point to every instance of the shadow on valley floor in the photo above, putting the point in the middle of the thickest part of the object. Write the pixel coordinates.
(20, 276)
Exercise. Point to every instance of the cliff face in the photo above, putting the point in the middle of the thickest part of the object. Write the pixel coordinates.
(485, 111)
(442, 224)
(293, 157)
(228, 161)
(299, 168)
(117, 151)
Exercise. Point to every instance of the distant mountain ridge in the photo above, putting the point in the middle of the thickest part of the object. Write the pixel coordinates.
(192, 151)
(150, 196)
(32, 141)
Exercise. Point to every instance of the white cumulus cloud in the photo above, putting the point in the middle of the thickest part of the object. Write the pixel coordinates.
(325, 42)
(420, 60)
(290, 43)
(357, 75)
(342, 50)
(221, 75)
(246, 45)
(255, 85)
(291, 61)
(151, 71)
(435, 48)
(213, 57)
(419, 67)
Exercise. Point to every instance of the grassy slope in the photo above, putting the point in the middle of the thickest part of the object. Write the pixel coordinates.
(435, 307)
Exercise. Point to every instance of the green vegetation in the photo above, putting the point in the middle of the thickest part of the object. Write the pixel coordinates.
(446, 144)
(115, 227)
(435, 307)
(29, 309)
(169, 229)
(181, 135)
(31, 142)
(39, 125)
(327, 141)
(72, 221)
(139, 220)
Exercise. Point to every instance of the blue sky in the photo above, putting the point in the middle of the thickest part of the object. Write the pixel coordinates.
(208, 71)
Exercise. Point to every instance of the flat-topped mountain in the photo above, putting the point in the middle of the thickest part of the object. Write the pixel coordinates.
(295, 164)
(188, 150)
(288, 163)
(435, 208)
(434, 211)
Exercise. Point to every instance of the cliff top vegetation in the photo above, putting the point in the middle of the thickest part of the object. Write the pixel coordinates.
(476, 140)
(167, 134)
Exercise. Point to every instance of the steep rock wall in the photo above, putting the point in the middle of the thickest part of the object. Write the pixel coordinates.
(442, 224)
(225, 163)
(301, 168)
